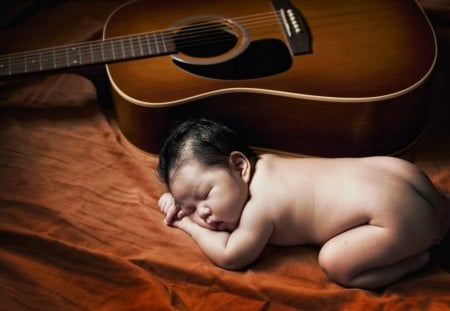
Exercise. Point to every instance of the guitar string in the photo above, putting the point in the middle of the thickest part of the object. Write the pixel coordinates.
(251, 19)
(204, 28)
(172, 29)
(212, 26)
(97, 46)
(215, 39)
(101, 43)
(194, 34)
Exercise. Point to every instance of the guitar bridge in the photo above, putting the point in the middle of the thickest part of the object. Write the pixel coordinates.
(294, 26)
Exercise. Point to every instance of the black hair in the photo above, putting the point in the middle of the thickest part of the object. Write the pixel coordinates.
(204, 140)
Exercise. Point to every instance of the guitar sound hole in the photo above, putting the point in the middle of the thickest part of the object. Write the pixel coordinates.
(205, 39)
(262, 58)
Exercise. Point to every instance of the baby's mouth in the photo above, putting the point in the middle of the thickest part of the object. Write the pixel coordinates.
(213, 223)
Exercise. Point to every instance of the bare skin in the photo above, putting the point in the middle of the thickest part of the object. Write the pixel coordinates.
(374, 218)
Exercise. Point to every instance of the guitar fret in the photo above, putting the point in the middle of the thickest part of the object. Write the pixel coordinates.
(92, 54)
(97, 52)
(61, 59)
(79, 56)
(163, 42)
(155, 38)
(131, 51)
(123, 49)
(149, 45)
(73, 56)
(170, 43)
(134, 41)
(131, 46)
(119, 50)
(17, 64)
(84, 55)
(139, 38)
(112, 52)
(47, 60)
(32, 62)
(107, 51)
(128, 50)
(5, 65)
(54, 58)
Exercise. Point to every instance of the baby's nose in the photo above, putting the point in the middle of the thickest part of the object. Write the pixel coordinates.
(203, 211)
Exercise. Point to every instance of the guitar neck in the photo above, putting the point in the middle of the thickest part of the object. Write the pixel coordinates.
(88, 53)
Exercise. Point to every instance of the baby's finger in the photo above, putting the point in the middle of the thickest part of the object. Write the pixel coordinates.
(165, 207)
(164, 202)
(180, 214)
(171, 213)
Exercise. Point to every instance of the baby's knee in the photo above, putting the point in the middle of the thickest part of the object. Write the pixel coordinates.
(336, 270)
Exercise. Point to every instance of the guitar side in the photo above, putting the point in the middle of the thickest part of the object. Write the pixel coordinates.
(361, 91)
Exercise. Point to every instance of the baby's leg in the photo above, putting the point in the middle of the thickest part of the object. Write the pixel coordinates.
(379, 277)
(372, 256)
(368, 257)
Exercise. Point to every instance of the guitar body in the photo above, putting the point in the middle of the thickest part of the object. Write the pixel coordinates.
(361, 90)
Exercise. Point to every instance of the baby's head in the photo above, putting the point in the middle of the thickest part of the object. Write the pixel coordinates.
(206, 141)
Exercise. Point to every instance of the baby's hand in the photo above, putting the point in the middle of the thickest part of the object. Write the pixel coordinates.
(167, 206)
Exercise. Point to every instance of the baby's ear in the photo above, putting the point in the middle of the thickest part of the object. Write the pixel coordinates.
(241, 164)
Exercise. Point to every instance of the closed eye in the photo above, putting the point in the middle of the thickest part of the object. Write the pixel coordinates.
(204, 195)
(207, 194)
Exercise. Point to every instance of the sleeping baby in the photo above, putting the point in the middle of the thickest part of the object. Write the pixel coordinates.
(374, 218)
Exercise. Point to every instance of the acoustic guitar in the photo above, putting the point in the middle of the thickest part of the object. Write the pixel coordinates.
(327, 78)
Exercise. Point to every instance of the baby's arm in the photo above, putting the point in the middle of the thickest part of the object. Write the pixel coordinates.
(229, 250)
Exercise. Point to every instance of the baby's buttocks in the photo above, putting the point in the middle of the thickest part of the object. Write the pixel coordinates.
(365, 192)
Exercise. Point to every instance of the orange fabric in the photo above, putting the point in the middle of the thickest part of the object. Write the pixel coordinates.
(80, 227)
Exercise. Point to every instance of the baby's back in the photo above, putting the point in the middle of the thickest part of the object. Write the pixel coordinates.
(311, 199)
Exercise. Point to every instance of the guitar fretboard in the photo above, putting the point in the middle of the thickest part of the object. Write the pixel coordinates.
(88, 53)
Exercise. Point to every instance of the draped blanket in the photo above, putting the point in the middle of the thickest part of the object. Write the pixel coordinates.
(79, 222)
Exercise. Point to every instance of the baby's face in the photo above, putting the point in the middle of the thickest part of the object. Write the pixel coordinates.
(213, 197)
